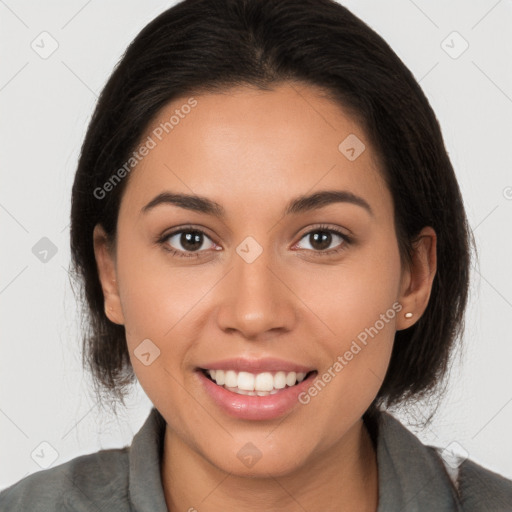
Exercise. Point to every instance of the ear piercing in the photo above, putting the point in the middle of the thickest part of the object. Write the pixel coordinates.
(408, 315)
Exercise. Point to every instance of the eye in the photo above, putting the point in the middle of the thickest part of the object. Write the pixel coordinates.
(322, 238)
(187, 242)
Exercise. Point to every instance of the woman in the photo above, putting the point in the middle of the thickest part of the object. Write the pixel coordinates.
(272, 240)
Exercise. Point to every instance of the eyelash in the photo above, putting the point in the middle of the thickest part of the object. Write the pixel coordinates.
(196, 254)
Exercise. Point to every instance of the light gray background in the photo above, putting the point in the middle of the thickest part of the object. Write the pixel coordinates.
(45, 107)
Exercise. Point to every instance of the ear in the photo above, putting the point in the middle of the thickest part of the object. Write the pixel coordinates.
(105, 261)
(417, 279)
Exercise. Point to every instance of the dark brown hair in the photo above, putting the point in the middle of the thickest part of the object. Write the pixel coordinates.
(213, 45)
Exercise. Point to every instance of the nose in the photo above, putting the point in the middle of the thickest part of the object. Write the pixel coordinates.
(255, 300)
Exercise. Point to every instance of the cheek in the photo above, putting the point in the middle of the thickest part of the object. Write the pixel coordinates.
(358, 302)
(155, 295)
(351, 296)
(162, 303)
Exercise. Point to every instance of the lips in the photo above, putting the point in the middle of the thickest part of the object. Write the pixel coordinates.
(255, 389)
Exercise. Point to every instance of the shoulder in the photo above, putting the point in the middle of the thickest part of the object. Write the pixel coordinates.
(81, 484)
(478, 488)
(481, 489)
(423, 477)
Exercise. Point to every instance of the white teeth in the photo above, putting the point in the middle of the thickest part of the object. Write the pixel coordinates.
(231, 379)
(280, 380)
(218, 376)
(261, 384)
(291, 378)
(246, 381)
(264, 382)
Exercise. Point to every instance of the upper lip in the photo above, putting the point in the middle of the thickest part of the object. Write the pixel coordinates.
(266, 364)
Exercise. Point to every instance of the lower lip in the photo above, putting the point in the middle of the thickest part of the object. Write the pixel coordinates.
(254, 407)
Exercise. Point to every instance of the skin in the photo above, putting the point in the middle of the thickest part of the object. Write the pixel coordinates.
(252, 151)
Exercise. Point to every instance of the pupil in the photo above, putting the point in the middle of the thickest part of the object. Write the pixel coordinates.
(191, 240)
(323, 238)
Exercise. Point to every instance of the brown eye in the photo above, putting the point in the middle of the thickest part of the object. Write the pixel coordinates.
(191, 240)
(320, 240)
(326, 240)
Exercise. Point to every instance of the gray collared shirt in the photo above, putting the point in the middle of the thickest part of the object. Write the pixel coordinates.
(412, 478)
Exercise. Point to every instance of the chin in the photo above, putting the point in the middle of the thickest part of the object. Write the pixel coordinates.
(249, 461)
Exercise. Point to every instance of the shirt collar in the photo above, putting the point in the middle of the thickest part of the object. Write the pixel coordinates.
(145, 458)
(412, 477)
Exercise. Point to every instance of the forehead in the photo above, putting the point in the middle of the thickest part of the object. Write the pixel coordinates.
(244, 145)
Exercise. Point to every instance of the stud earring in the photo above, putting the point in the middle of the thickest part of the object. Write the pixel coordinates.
(408, 315)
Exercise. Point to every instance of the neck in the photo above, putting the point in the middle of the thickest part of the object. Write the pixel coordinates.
(343, 478)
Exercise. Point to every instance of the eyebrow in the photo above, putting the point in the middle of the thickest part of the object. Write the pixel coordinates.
(297, 205)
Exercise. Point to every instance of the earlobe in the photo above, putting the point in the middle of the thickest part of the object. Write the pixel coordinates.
(417, 286)
(105, 263)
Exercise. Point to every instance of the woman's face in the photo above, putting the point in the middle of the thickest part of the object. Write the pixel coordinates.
(265, 287)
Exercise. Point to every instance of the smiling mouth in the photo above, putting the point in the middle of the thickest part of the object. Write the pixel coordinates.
(261, 384)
